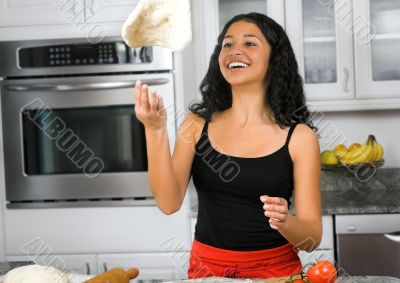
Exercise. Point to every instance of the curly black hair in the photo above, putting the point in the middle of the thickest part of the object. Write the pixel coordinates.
(284, 85)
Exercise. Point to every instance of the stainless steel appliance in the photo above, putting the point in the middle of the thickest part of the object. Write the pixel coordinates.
(369, 244)
(71, 137)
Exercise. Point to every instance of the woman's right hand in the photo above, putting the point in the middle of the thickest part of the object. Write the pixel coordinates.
(152, 114)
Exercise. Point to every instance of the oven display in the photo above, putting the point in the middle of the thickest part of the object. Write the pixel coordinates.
(83, 54)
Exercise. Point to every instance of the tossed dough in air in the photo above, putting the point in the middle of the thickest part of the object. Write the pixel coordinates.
(165, 23)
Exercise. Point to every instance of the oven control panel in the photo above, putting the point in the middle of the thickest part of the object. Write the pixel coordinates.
(83, 54)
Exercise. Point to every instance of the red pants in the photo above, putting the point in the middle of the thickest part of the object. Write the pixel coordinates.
(207, 261)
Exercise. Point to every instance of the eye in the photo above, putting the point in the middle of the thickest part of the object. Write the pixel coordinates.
(227, 45)
(248, 43)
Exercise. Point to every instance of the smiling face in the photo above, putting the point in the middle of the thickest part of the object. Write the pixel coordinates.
(244, 54)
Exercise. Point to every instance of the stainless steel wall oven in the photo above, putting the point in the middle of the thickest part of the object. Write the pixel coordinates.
(70, 134)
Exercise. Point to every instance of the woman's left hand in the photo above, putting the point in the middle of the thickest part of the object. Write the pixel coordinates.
(277, 210)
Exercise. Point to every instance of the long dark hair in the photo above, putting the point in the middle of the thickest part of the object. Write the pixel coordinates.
(284, 85)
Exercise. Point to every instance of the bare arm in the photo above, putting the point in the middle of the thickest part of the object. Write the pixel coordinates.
(303, 230)
(168, 176)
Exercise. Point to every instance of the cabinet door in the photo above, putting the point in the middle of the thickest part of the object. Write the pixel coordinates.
(323, 46)
(316, 255)
(100, 11)
(377, 45)
(84, 264)
(40, 12)
(167, 266)
(327, 233)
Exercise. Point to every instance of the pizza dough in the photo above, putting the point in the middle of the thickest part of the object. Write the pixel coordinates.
(165, 23)
(35, 274)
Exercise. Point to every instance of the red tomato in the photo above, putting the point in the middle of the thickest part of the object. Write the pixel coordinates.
(299, 281)
(322, 272)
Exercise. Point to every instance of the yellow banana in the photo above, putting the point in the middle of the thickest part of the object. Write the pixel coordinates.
(349, 153)
(380, 152)
(375, 150)
(362, 154)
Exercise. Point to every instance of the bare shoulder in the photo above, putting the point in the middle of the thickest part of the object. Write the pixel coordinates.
(191, 127)
(304, 141)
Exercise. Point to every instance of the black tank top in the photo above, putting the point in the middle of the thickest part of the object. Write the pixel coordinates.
(231, 215)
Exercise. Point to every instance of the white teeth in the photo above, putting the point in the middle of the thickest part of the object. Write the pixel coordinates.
(236, 64)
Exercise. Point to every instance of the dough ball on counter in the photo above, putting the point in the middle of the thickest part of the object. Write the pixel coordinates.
(35, 274)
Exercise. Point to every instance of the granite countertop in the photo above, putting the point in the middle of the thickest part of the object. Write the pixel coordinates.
(343, 192)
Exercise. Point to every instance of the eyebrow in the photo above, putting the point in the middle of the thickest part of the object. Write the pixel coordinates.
(245, 35)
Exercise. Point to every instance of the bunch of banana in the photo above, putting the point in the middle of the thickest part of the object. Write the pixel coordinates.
(369, 151)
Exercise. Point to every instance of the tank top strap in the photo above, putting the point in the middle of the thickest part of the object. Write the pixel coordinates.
(205, 128)
(290, 133)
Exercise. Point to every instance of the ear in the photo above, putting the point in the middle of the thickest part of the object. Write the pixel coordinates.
(165, 23)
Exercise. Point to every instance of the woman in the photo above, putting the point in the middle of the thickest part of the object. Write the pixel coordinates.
(249, 144)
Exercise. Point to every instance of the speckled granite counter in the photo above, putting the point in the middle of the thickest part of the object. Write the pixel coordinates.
(344, 193)
(368, 279)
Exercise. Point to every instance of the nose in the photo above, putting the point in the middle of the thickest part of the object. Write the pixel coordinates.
(235, 51)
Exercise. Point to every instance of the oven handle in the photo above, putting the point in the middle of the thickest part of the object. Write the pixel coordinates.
(85, 86)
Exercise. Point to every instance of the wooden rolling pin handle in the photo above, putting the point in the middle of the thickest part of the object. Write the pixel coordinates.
(132, 273)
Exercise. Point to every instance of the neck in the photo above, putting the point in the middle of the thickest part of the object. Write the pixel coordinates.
(248, 105)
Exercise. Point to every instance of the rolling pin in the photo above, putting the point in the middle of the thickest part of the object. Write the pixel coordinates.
(115, 275)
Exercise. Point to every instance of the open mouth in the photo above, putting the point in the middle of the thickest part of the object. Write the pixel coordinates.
(237, 65)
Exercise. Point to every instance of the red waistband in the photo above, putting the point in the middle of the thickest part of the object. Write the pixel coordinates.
(207, 252)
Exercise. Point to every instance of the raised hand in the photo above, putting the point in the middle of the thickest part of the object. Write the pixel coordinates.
(276, 209)
(152, 114)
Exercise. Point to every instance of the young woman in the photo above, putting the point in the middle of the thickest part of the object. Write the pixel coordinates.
(248, 145)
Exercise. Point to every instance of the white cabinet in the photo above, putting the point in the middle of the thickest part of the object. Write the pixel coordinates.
(100, 11)
(92, 230)
(71, 263)
(75, 12)
(193, 222)
(377, 55)
(328, 36)
(40, 12)
(169, 265)
(48, 19)
(323, 48)
(326, 248)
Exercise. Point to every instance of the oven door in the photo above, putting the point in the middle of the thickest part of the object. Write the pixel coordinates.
(73, 141)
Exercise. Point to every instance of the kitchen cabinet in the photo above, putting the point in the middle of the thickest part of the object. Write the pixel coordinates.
(323, 48)
(328, 36)
(40, 12)
(377, 57)
(100, 11)
(69, 263)
(169, 265)
(45, 12)
(44, 19)
(95, 230)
